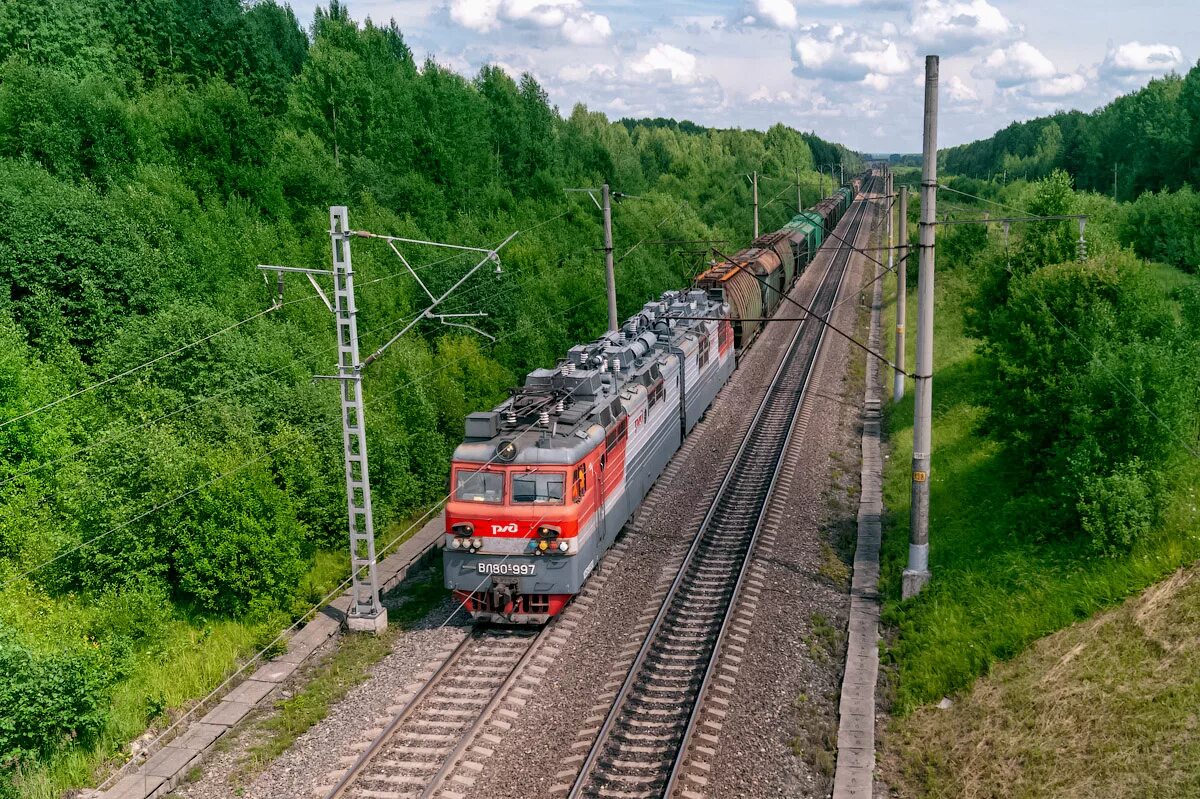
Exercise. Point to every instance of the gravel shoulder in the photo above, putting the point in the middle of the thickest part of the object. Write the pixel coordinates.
(315, 758)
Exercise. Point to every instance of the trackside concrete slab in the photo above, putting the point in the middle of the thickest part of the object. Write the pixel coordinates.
(854, 774)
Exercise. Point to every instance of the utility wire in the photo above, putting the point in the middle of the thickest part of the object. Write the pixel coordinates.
(208, 398)
(329, 596)
(985, 200)
(813, 315)
(152, 361)
(179, 497)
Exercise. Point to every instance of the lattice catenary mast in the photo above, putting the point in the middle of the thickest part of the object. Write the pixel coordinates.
(366, 612)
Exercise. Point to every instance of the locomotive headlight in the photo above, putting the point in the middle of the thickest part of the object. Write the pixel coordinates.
(548, 533)
(563, 546)
(463, 529)
(456, 543)
(476, 543)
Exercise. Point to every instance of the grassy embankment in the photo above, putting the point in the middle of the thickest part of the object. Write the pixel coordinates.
(194, 657)
(1093, 724)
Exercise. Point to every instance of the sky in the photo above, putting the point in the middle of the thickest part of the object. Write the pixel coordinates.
(850, 70)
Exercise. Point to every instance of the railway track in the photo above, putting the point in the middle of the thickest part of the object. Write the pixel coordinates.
(415, 752)
(436, 743)
(641, 750)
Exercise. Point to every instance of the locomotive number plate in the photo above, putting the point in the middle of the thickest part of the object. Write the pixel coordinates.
(525, 569)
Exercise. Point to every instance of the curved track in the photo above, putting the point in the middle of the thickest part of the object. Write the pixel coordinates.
(638, 751)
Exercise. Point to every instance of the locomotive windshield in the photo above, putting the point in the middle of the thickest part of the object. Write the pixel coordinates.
(544, 488)
(476, 486)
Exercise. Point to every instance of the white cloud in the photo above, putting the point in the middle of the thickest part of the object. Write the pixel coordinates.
(577, 73)
(479, 15)
(877, 82)
(838, 54)
(587, 28)
(764, 95)
(955, 27)
(778, 13)
(680, 65)
(958, 91)
(577, 25)
(1015, 65)
(1135, 58)
(1058, 86)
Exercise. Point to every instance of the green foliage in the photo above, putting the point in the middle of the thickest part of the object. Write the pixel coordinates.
(1145, 141)
(1117, 509)
(1088, 375)
(151, 155)
(49, 697)
(238, 546)
(1065, 422)
(1165, 226)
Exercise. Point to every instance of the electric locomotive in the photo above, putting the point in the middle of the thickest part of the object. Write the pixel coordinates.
(543, 483)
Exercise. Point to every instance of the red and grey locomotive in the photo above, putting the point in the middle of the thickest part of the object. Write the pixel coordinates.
(543, 483)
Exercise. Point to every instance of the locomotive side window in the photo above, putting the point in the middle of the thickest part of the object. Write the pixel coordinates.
(579, 483)
(542, 488)
(657, 393)
(476, 486)
(616, 435)
(705, 347)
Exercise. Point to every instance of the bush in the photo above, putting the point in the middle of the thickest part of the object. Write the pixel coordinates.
(238, 546)
(1166, 227)
(1116, 510)
(1088, 368)
(47, 699)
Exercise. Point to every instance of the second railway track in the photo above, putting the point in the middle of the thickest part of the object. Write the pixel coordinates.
(639, 749)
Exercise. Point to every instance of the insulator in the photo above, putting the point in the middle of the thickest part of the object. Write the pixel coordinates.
(544, 418)
(616, 364)
(569, 368)
(560, 406)
(511, 416)
(603, 365)
(622, 335)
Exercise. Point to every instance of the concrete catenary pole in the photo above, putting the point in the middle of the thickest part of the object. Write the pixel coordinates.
(901, 295)
(799, 194)
(916, 576)
(755, 182)
(609, 274)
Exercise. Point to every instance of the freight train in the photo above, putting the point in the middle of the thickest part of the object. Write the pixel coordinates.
(543, 483)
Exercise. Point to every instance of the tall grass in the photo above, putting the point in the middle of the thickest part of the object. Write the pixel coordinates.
(994, 591)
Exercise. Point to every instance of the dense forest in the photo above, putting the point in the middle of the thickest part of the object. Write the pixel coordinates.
(1149, 140)
(1142, 147)
(170, 476)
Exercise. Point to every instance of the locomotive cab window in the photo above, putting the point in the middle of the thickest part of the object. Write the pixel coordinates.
(541, 488)
(578, 483)
(475, 486)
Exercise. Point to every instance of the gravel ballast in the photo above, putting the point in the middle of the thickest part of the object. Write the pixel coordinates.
(779, 663)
